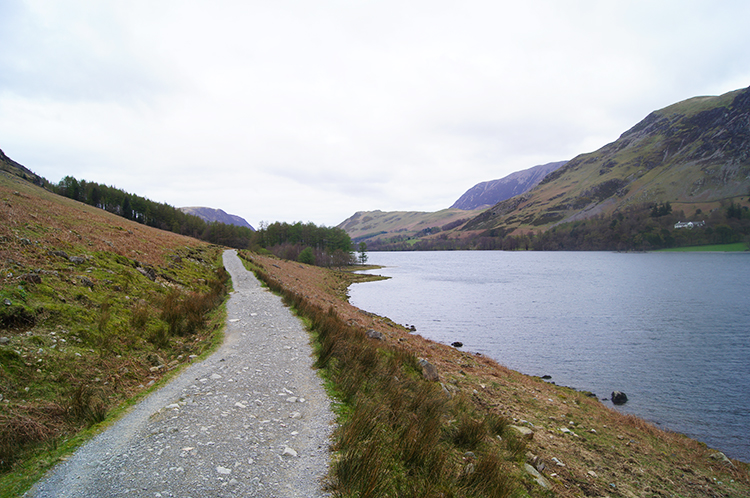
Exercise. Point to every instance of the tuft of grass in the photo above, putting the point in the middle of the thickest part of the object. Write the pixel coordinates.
(468, 432)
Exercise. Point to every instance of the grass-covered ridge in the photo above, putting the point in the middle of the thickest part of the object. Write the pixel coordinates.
(402, 435)
(94, 310)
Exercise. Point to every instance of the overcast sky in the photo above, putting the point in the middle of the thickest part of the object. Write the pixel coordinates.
(284, 110)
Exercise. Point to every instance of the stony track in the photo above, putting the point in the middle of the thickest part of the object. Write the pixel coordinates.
(251, 420)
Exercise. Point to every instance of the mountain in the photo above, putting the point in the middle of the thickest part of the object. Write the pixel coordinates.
(378, 226)
(694, 154)
(486, 194)
(216, 215)
(371, 226)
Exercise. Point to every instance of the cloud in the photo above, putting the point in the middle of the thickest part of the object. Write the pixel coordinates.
(311, 111)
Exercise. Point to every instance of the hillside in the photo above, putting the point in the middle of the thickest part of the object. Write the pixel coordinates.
(212, 215)
(94, 309)
(694, 154)
(486, 194)
(374, 226)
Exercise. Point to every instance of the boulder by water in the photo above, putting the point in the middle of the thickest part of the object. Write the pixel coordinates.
(619, 397)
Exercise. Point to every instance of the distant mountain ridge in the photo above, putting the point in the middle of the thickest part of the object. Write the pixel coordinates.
(212, 215)
(487, 194)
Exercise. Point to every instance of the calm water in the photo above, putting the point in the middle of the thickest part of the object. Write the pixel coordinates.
(672, 330)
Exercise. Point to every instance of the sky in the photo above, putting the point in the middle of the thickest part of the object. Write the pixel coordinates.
(307, 111)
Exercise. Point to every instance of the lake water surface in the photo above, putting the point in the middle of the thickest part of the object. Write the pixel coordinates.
(672, 330)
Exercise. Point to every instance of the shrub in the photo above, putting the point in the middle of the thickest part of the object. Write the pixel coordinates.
(306, 256)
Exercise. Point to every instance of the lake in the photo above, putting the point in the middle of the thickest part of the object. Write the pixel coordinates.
(672, 330)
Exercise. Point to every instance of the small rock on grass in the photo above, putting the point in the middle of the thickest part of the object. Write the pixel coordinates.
(539, 478)
(524, 432)
(429, 371)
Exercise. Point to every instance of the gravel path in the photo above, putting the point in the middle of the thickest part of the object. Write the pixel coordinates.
(251, 420)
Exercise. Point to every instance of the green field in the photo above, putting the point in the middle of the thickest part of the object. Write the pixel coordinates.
(736, 247)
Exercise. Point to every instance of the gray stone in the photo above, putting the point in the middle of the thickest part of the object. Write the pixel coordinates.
(539, 478)
(374, 334)
(524, 432)
(429, 371)
(76, 260)
(4, 340)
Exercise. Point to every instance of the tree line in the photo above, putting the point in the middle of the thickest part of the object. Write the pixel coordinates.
(328, 246)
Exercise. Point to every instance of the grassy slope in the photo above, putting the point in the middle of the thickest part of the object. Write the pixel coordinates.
(82, 338)
(370, 225)
(606, 453)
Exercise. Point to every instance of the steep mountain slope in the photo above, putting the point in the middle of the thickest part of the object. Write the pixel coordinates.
(216, 215)
(693, 154)
(486, 194)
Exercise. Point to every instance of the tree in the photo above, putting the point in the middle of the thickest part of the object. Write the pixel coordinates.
(362, 253)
